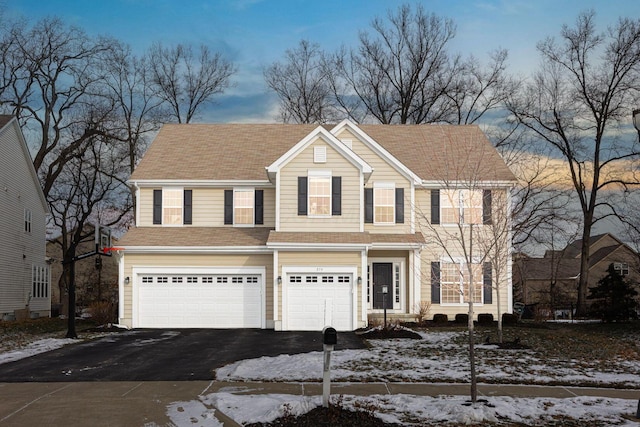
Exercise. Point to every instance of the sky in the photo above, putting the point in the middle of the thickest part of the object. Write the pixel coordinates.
(255, 33)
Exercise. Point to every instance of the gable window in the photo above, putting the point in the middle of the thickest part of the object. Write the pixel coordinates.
(384, 203)
(243, 205)
(27, 220)
(319, 193)
(172, 206)
(622, 268)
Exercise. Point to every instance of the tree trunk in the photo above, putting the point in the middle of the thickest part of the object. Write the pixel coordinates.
(472, 358)
(583, 281)
(499, 314)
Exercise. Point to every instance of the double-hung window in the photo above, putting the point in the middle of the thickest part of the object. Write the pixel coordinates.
(461, 206)
(172, 204)
(457, 285)
(319, 193)
(384, 202)
(243, 206)
(27, 220)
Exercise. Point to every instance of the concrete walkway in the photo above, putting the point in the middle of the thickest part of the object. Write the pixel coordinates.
(145, 403)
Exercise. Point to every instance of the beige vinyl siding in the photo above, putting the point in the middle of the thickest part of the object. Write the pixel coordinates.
(196, 260)
(20, 250)
(208, 207)
(348, 221)
(382, 172)
(321, 259)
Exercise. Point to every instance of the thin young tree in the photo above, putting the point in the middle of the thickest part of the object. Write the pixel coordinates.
(577, 103)
(187, 81)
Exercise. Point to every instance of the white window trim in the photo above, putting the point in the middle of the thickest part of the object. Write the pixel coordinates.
(318, 173)
(384, 185)
(164, 190)
(253, 216)
(460, 260)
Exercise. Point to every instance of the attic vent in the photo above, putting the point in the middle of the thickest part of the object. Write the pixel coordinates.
(319, 154)
(348, 143)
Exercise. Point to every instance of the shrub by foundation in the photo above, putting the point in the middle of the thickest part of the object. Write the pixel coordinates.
(485, 318)
(509, 319)
(440, 318)
(462, 318)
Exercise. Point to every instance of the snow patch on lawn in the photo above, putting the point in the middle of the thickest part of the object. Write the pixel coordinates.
(36, 347)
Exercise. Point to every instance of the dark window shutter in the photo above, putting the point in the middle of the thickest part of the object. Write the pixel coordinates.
(368, 205)
(487, 282)
(336, 195)
(435, 282)
(157, 206)
(399, 205)
(228, 206)
(188, 207)
(435, 206)
(302, 195)
(486, 207)
(259, 207)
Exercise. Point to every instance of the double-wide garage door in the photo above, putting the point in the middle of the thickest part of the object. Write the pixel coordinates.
(318, 300)
(199, 301)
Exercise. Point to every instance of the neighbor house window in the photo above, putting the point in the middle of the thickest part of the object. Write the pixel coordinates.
(319, 194)
(172, 204)
(622, 268)
(27, 220)
(456, 285)
(243, 206)
(384, 202)
(39, 281)
(461, 206)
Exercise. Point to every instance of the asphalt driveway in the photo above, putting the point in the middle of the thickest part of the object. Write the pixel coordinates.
(163, 355)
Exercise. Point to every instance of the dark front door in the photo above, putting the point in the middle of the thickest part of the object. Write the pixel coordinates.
(382, 276)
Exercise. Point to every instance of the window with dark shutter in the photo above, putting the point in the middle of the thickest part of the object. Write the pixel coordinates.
(435, 282)
(368, 205)
(302, 195)
(399, 205)
(336, 195)
(259, 207)
(435, 206)
(228, 207)
(486, 207)
(487, 282)
(188, 207)
(157, 206)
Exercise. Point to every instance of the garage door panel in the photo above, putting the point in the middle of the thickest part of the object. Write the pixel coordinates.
(200, 301)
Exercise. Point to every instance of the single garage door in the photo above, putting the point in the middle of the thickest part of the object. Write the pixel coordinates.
(199, 301)
(318, 300)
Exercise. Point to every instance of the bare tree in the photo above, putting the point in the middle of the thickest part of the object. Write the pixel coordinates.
(187, 82)
(400, 72)
(459, 224)
(301, 82)
(577, 103)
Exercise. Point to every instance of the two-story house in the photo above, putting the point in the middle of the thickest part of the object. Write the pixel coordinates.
(296, 227)
(24, 273)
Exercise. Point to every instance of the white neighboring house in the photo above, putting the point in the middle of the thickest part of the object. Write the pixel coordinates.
(24, 273)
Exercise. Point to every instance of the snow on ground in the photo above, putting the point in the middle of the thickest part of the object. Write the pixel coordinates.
(406, 409)
(35, 347)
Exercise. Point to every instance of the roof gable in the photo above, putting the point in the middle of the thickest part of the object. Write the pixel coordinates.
(331, 140)
(8, 124)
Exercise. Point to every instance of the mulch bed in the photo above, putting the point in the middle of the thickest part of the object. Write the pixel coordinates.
(389, 333)
(331, 416)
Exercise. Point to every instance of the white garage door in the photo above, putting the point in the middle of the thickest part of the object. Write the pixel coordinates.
(318, 300)
(199, 301)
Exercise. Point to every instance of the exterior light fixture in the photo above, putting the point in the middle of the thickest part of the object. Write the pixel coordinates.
(126, 280)
(636, 120)
(359, 280)
(279, 280)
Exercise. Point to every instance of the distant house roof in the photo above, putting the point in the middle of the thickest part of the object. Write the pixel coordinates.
(545, 269)
(242, 151)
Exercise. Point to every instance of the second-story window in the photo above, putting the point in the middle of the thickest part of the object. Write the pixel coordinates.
(172, 206)
(27, 220)
(243, 205)
(384, 202)
(461, 206)
(319, 194)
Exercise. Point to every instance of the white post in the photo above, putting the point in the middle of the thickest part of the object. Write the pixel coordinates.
(326, 375)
